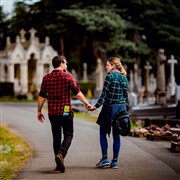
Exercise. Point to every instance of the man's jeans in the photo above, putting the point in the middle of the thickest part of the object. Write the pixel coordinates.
(61, 124)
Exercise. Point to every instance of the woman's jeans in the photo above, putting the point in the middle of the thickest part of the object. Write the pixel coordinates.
(61, 124)
(114, 110)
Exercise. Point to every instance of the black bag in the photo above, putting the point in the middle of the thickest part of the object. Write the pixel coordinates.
(122, 124)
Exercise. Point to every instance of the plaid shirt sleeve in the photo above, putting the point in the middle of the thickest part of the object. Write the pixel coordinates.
(73, 86)
(104, 91)
(43, 89)
(114, 90)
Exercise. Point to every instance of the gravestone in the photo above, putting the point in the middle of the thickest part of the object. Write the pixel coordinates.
(73, 72)
(85, 72)
(177, 95)
(133, 99)
(131, 81)
(99, 78)
(147, 68)
(152, 84)
(161, 83)
(136, 78)
(172, 84)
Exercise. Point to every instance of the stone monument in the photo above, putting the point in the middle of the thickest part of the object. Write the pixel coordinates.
(161, 83)
(147, 68)
(171, 88)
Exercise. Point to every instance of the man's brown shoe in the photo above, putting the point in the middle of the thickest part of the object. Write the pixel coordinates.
(60, 162)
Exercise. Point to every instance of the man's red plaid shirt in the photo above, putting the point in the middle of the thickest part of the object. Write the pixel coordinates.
(56, 87)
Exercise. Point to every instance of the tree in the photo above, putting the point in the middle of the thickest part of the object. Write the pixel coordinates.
(3, 28)
(104, 28)
(156, 22)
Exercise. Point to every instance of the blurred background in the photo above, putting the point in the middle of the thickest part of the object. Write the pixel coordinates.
(143, 34)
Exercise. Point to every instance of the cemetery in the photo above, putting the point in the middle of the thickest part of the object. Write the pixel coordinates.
(154, 102)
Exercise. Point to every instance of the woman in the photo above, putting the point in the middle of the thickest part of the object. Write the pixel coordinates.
(114, 98)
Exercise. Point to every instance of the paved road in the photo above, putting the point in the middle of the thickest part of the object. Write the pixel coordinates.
(139, 159)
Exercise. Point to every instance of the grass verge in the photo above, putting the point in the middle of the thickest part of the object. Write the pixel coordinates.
(89, 117)
(14, 152)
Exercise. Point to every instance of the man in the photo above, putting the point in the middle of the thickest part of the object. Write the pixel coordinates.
(57, 87)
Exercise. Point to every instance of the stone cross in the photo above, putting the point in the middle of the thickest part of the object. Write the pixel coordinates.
(147, 68)
(32, 32)
(172, 83)
(22, 33)
(172, 61)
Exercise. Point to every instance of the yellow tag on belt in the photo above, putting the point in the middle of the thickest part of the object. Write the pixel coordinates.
(66, 108)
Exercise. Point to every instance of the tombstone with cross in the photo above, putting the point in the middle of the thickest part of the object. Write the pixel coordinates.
(172, 84)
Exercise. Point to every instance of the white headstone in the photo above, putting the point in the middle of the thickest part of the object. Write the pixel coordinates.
(152, 83)
(172, 84)
(99, 74)
(177, 93)
(147, 68)
(85, 72)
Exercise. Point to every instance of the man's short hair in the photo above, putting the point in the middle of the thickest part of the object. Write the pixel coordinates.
(57, 60)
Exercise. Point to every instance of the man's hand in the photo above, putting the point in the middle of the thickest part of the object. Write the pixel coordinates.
(92, 108)
(40, 117)
(87, 106)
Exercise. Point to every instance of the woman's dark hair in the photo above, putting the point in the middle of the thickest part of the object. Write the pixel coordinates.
(57, 60)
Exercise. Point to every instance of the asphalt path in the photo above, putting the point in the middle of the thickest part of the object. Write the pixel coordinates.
(139, 158)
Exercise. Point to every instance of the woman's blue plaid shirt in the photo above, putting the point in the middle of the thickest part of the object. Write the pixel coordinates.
(115, 90)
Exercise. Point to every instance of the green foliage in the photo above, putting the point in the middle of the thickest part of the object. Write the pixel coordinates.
(101, 19)
(159, 22)
(104, 26)
(126, 28)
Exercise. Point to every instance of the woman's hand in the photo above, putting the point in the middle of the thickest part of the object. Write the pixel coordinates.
(92, 108)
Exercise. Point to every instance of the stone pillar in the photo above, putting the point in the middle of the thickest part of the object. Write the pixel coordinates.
(40, 74)
(136, 79)
(99, 78)
(24, 78)
(161, 83)
(11, 73)
(85, 72)
(147, 68)
(73, 72)
(131, 81)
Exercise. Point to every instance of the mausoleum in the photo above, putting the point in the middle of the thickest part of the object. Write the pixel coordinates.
(25, 62)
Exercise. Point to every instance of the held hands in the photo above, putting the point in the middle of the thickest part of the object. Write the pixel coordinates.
(40, 117)
(89, 107)
(92, 108)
